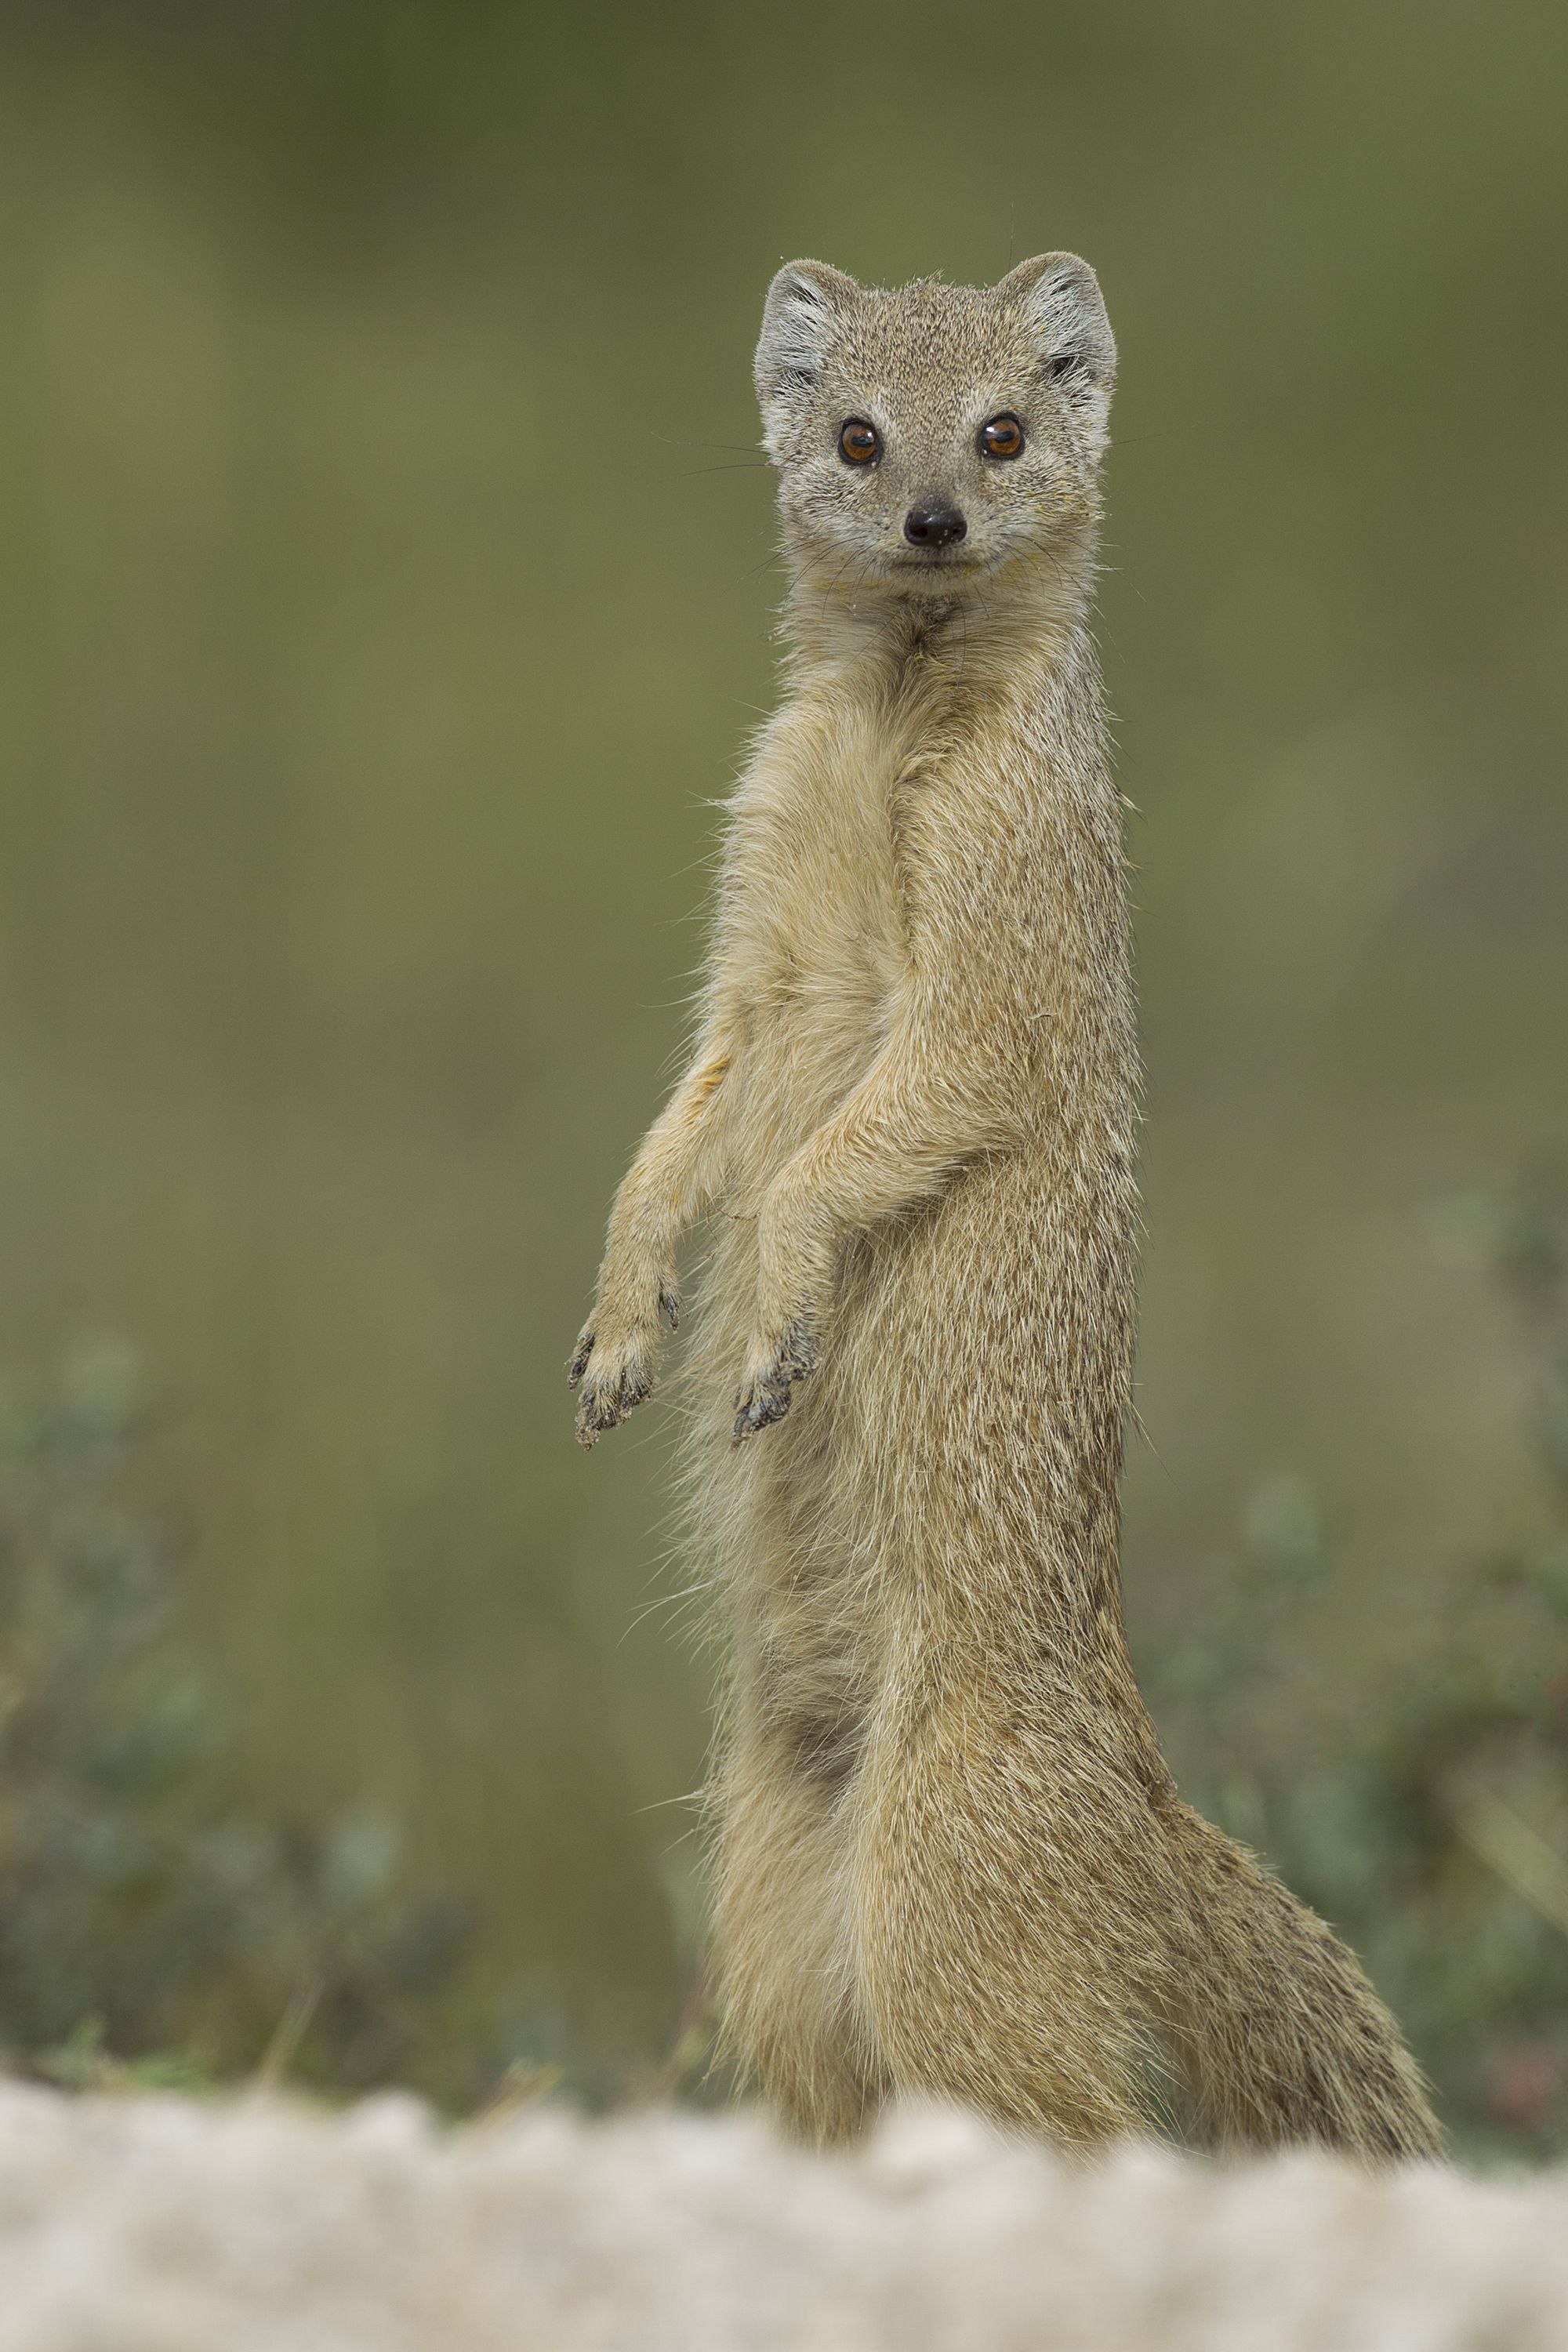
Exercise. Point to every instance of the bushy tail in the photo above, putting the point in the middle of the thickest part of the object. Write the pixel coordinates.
(1271, 2026)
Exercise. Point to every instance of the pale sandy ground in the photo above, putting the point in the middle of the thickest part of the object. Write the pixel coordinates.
(155, 2224)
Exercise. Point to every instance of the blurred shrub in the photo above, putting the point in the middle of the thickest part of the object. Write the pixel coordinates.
(1425, 1809)
(155, 1925)
(152, 1922)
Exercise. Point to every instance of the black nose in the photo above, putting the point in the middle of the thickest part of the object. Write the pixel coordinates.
(934, 526)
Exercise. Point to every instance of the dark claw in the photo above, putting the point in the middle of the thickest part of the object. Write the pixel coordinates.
(606, 1408)
(579, 1364)
(767, 1399)
(594, 1415)
(669, 1307)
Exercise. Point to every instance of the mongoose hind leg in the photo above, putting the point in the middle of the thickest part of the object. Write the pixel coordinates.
(782, 1936)
(792, 1732)
(998, 1935)
(1269, 2020)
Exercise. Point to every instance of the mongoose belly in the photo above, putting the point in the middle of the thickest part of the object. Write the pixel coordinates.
(943, 1448)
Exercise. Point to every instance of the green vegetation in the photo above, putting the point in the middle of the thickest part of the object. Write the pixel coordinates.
(153, 1929)
(1421, 1804)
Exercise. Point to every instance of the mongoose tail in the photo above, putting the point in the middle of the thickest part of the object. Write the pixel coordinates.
(1270, 2022)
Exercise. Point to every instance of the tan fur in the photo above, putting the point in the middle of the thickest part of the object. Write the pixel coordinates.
(951, 1858)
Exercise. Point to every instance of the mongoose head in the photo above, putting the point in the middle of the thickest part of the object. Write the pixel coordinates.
(934, 437)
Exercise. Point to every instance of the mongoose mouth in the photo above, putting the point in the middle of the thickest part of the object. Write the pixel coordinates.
(937, 559)
(933, 561)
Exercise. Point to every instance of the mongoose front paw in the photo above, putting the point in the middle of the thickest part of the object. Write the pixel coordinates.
(765, 1395)
(610, 1383)
(613, 1377)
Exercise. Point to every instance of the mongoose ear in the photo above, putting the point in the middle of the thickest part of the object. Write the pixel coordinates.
(805, 302)
(1059, 297)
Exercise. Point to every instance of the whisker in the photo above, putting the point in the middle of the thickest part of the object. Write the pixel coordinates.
(734, 448)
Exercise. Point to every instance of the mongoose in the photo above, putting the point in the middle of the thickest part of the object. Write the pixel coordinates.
(949, 1857)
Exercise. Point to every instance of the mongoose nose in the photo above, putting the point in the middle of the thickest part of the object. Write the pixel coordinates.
(934, 526)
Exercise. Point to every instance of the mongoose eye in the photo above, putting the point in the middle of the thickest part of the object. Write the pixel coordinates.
(859, 442)
(1002, 437)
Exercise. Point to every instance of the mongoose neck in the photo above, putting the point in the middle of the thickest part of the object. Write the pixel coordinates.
(937, 650)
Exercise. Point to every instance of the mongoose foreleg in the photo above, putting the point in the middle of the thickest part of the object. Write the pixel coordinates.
(669, 1186)
(924, 1106)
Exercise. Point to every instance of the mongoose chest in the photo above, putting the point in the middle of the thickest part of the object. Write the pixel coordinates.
(816, 931)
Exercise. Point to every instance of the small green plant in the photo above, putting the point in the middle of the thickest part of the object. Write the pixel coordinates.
(154, 1925)
(1425, 1814)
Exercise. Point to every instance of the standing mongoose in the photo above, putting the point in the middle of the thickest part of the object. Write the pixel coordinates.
(949, 1857)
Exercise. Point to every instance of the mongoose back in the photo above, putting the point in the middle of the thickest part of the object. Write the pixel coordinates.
(949, 1857)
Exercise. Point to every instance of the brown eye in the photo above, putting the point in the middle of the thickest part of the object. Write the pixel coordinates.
(859, 442)
(1002, 437)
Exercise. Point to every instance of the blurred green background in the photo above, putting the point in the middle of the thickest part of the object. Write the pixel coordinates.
(385, 597)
